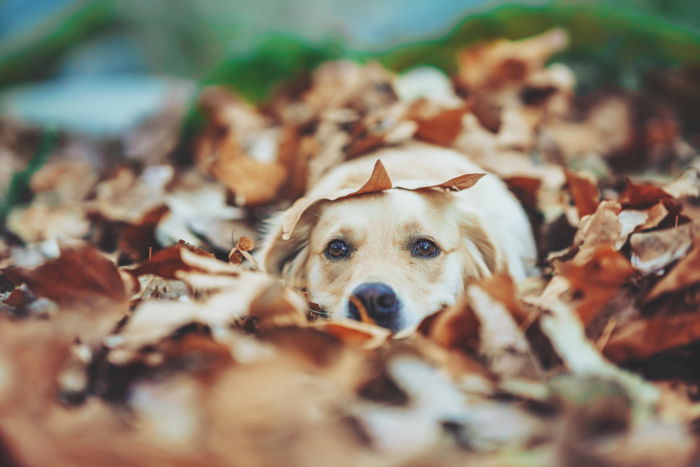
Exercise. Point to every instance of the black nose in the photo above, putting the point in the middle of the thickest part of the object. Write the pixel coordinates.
(379, 301)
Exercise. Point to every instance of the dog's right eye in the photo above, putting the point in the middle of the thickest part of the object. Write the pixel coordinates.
(337, 249)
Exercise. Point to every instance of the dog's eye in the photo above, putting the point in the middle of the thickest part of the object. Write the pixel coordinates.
(337, 249)
(425, 248)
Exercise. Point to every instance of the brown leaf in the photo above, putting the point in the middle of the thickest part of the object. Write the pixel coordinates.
(500, 63)
(253, 182)
(655, 215)
(502, 341)
(640, 196)
(596, 281)
(583, 191)
(277, 306)
(68, 181)
(456, 184)
(241, 251)
(379, 181)
(646, 337)
(525, 189)
(441, 129)
(41, 221)
(502, 288)
(363, 140)
(127, 196)
(684, 274)
(363, 335)
(655, 250)
(455, 327)
(80, 274)
(245, 243)
(166, 263)
(600, 229)
(227, 299)
(138, 238)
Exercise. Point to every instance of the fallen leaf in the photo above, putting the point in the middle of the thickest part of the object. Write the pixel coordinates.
(379, 181)
(441, 129)
(653, 251)
(363, 335)
(649, 336)
(596, 281)
(525, 189)
(583, 191)
(166, 263)
(685, 273)
(639, 196)
(80, 274)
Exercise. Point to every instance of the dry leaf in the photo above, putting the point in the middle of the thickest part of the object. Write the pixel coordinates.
(583, 191)
(594, 282)
(684, 274)
(378, 181)
(79, 275)
(166, 263)
(653, 251)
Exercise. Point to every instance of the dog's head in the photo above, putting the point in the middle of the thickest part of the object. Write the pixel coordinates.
(390, 257)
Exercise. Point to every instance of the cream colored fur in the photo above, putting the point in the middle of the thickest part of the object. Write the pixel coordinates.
(480, 230)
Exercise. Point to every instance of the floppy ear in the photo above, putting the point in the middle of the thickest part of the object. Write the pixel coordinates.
(287, 257)
(484, 258)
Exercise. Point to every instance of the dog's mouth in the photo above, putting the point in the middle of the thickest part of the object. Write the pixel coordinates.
(376, 303)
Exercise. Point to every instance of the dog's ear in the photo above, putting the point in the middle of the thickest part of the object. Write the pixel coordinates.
(286, 257)
(483, 256)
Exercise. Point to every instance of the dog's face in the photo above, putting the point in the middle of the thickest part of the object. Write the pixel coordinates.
(390, 258)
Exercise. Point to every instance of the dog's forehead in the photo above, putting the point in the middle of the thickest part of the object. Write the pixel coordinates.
(374, 212)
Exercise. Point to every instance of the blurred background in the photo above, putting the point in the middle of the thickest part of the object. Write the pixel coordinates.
(99, 67)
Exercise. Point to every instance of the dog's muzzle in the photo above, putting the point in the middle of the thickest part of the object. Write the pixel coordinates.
(380, 303)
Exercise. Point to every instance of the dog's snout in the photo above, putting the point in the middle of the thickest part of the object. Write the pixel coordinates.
(380, 303)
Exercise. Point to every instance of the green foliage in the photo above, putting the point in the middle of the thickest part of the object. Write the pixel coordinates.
(19, 191)
(608, 45)
(34, 55)
(279, 58)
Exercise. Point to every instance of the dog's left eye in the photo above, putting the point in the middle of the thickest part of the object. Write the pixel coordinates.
(425, 248)
(337, 249)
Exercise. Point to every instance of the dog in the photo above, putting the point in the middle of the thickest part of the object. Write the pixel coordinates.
(398, 234)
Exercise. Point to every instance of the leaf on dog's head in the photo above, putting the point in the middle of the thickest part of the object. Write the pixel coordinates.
(456, 184)
(378, 181)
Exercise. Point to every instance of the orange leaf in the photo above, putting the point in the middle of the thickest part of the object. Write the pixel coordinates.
(378, 181)
(441, 129)
(638, 196)
(583, 191)
(597, 280)
(644, 338)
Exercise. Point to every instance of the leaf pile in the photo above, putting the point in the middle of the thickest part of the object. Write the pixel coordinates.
(147, 335)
